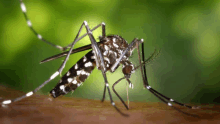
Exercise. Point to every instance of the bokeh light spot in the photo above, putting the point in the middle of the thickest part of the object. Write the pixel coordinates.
(207, 47)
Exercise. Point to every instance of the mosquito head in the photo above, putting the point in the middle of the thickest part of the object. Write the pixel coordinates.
(127, 70)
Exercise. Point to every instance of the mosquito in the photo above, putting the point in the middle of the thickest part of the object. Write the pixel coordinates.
(106, 55)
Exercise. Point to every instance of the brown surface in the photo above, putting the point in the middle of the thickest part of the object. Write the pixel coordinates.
(40, 108)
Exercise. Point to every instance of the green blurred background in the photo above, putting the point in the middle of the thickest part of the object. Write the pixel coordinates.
(186, 31)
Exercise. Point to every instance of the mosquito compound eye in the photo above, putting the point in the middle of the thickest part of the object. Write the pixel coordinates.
(127, 70)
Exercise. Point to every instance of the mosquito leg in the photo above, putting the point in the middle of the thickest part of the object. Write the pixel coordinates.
(145, 81)
(31, 92)
(112, 102)
(130, 86)
(103, 97)
(127, 94)
(47, 81)
(52, 76)
(24, 10)
(156, 93)
(113, 88)
(103, 29)
(103, 33)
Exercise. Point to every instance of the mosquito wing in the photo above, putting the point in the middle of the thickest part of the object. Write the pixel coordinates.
(80, 49)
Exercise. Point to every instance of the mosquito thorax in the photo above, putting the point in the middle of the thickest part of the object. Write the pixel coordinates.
(112, 47)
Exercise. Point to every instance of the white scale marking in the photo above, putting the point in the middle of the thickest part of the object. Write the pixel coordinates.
(70, 80)
(39, 36)
(29, 23)
(107, 85)
(169, 104)
(53, 92)
(84, 58)
(93, 57)
(115, 45)
(23, 8)
(131, 85)
(59, 47)
(115, 54)
(132, 71)
(74, 82)
(132, 66)
(68, 73)
(82, 72)
(79, 84)
(113, 103)
(85, 22)
(148, 87)
(85, 73)
(120, 51)
(29, 93)
(6, 102)
(107, 65)
(110, 51)
(89, 32)
(78, 72)
(105, 53)
(106, 47)
(76, 66)
(114, 40)
(171, 100)
(54, 75)
(88, 64)
(105, 58)
(62, 87)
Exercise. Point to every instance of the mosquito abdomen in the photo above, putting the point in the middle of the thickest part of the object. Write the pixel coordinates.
(76, 75)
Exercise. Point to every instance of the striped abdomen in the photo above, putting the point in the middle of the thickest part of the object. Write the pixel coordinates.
(75, 76)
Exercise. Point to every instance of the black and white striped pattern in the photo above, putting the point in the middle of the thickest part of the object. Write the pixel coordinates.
(76, 75)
